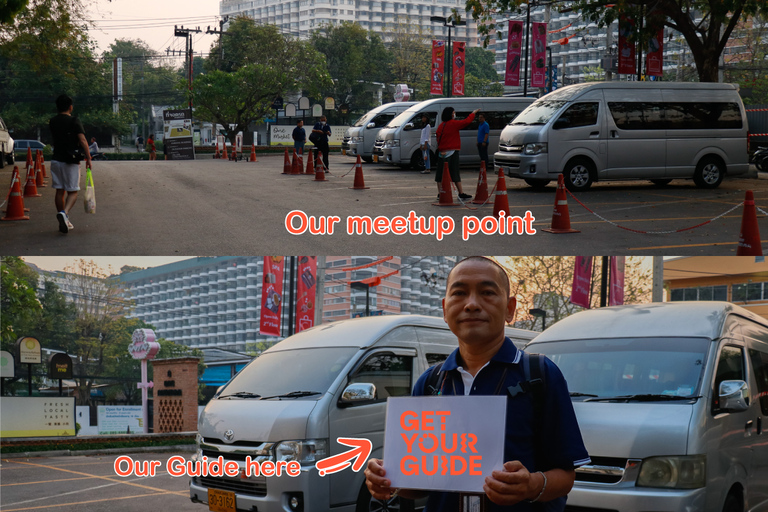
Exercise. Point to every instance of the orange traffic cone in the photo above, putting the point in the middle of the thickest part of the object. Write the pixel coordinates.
(42, 164)
(359, 181)
(253, 153)
(561, 219)
(481, 195)
(30, 187)
(39, 178)
(319, 168)
(310, 164)
(300, 159)
(15, 209)
(30, 162)
(216, 155)
(749, 237)
(446, 194)
(224, 152)
(286, 163)
(500, 200)
(295, 164)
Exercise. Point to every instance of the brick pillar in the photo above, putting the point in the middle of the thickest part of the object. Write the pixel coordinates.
(175, 394)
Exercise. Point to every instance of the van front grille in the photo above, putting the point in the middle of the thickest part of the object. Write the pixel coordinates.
(250, 486)
(511, 148)
(602, 470)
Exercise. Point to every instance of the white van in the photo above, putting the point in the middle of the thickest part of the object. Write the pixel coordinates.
(398, 142)
(6, 145)
(360, 137)
(672, 403)
(657, 131)
(294, 400)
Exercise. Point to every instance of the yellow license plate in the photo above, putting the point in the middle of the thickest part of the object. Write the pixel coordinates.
(344, 152)
(221, 501)
(376, 158)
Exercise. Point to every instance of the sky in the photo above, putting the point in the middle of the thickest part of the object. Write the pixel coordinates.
(152, 21)
(104, 262)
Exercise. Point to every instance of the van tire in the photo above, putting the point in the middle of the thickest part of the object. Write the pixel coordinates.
(366, 503)
(661, 183)
(2, 159)
(537, 183)
(367, 159)
(709, 173)
(417, 161)
(579, 174)
(732, 503)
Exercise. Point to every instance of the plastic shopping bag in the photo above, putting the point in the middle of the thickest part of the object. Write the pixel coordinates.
(89, 200)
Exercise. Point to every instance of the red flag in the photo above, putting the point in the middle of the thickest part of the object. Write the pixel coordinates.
(539, 55)
(271, 296)
(438, 59)
(459, 58)
(305, 293)
(654, 60)
(582, 281)
(617, 281)
(626, 48)
(514, 50)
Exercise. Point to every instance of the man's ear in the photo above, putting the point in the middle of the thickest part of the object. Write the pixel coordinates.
(443, 304)
(511, 305)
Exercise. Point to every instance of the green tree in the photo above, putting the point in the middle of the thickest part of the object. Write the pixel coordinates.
(265, 64)
(9, 9)
(411, 57)
(19, 304)
(482, 87)
(481, 64)
(706, 25)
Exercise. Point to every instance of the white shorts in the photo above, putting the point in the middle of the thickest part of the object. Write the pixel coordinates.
(65, 176)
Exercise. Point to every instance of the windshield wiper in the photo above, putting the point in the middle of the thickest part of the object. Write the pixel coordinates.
(576, 393)
(242, 394)
(294, 394)
(643, 398)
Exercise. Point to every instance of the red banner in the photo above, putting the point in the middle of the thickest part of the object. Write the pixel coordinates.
(582, 281)
(305, 293)
(539, 54)
(459, 58)
(617, 281)
(627, 64)
(438, 61)
(654, 60)
(514, 51)
(271, 296)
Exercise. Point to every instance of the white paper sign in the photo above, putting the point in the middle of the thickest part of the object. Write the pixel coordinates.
(444, 443)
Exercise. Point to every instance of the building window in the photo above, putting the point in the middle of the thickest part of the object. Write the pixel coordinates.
(702, 293)
(749, 292)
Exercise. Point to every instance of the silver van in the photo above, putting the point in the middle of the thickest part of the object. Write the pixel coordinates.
(360, 137)
(672, 402)
(398, 142)
(293, 401)
(657, 131)
(6, 145)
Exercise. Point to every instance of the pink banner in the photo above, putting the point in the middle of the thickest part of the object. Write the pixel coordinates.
(582, 281)
(459, 58)
(438, 61)
(626, 48)
(271, 296)
(306, 293)
(654, 60)
(514, 51)
(539, 55)
(617, 281)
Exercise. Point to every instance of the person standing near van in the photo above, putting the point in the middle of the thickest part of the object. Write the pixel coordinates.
(69, 147)
(323, 131)
(483, 132)
(426, 133)
(299, 137)
(541, 452)
(151, 147)
(448, 147)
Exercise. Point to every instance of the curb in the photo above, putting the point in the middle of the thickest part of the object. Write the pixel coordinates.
(107, 451)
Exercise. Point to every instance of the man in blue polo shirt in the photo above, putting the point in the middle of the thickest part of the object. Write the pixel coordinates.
(483, 134)
(477, 305)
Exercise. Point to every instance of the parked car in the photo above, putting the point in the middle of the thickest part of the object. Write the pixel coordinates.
(20, 147)
(657, 131)
(672, 403)
(6, 145)
(293, 401)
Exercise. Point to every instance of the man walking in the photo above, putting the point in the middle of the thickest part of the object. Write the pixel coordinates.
(483, 131)
(69, 147)
(299, 137)
(543, 444)
(322, 129)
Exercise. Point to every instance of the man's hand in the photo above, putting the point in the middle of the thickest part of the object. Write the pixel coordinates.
(512, 485)
(375, 480)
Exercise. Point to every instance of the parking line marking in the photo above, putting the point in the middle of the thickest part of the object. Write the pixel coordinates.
(48, 481)
(683, 246)
(84, 502)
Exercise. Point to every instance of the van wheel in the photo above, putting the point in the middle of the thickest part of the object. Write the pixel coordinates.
(579, 174)
(367, 159)
(2, 160)
(537, 183)
(732, 504)
(709, 173)
(417, 161)
(661, 183)
(366, 503)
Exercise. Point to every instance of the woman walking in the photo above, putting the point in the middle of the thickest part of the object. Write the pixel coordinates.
(448, 147)
(151, 147)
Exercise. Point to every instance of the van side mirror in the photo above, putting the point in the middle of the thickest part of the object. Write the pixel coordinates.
(358, 393)
(408, 126)
(563, 122)
(734, 395)
(371, 125)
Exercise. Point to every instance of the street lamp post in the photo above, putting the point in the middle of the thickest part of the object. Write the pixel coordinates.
(537, 312)
(361, 285)
(449, 22)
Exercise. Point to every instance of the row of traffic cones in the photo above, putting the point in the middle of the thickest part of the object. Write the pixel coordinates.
(317, 167)
(233, 157)
(36, 176)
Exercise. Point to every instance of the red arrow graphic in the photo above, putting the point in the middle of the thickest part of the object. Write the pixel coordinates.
(360, 452)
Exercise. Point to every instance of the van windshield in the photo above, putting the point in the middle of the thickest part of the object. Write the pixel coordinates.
(539, 112)
(401, 119)
(363, 120)
(640, 368)
(304, 374)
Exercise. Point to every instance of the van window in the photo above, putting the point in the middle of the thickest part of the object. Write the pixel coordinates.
(581, 114)
(639, 115)
(643, 115)
(539, 112)
(730, 366)
(392, 375)
(416, 120)
(381, 120)
(759, 362)
(434, 358)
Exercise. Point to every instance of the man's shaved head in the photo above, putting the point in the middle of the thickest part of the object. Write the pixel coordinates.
(502, 274)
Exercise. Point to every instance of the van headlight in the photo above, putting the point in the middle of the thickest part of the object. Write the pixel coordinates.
(535, 149)
(306, 451)
(357, 140)
(396, 143)
(682, 472)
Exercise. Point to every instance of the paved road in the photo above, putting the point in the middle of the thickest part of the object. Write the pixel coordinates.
(80, 483)
(212, 207)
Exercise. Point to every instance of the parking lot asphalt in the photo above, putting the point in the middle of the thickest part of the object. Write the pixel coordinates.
(220, 207)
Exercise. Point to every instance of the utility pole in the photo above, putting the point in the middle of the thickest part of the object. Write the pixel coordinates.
(221, 33)
(187, 34)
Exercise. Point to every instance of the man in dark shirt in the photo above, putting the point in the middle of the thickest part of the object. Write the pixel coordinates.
(299, 137)
(322, 129)
(68, 137)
